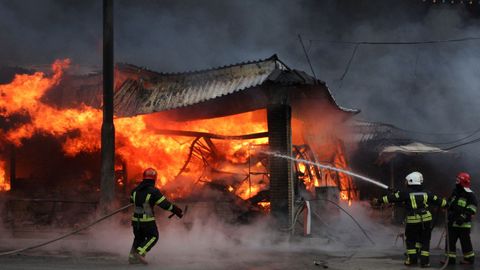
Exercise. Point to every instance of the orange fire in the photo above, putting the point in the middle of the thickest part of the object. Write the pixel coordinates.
(264, 206)
(4, 184)
(137, 142)
(24, 96)
(327, 149)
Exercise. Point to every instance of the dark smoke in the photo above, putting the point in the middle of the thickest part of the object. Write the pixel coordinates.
(431, 87)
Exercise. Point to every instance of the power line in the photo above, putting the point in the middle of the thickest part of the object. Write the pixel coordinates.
(455, 141)
(468, 133)
(306, 55)
(354, 52)
(432, 143)
(396, 42)
(462, 144)
(358, 43)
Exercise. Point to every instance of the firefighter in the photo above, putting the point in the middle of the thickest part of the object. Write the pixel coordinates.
(418, 226)
(462, 205)
(144, 197)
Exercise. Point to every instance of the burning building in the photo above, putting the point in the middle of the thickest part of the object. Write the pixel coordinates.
(214, 128)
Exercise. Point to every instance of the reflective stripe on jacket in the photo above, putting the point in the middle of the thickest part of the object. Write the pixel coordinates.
(416, 202)
(461, 204)
(144, 197)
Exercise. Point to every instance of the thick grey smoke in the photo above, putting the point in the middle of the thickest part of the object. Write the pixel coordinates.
(203, 238)
(432, 87)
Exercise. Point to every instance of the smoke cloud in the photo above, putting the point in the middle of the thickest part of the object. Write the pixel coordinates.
(428, 87)
(204, 238)
(432, 86)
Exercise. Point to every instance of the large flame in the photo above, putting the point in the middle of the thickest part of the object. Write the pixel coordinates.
(137, 141)
(23, 96)
(4, 184)
(326, 148)
(139, 145)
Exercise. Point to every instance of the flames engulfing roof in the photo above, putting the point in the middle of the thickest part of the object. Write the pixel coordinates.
(144, 91)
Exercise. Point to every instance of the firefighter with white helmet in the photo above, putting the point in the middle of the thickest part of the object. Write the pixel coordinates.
(462, 205)
(144, 197)
(418, 221)
(414, 179)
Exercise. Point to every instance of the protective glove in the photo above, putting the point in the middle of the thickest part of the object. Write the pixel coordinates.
(177, 211)
(461, 219)
(375, 202)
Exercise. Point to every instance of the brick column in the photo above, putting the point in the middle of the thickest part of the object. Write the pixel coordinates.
(281, 185)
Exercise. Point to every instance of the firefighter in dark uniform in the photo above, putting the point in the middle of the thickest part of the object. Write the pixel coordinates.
(418, 227)
(144, 197)
(462, 205)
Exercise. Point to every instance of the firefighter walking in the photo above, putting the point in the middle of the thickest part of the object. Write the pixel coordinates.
(462, 205)
(418, 226)
(144, 197)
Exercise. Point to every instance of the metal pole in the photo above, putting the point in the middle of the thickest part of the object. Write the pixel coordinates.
(107, 184)
(392, 185)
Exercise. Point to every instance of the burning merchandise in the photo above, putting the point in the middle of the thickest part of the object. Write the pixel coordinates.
(202, 131)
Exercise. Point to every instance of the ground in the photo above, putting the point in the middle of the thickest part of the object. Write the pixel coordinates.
(249, 260)
(198, 242)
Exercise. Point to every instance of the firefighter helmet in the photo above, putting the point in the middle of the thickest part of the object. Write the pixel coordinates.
(150, 173)
(414, 179)
(463, 179)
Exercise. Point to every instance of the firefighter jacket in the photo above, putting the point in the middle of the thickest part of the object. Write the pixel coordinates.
(416, 202)
(461, 206)
(144, 197)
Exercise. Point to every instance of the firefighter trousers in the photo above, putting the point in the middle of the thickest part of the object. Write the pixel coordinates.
(418, 242)
(454, 234)
(146, 236)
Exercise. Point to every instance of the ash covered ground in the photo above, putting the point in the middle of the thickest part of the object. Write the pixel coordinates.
(203, 241)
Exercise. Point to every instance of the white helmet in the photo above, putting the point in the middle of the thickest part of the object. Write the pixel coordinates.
(414, 179)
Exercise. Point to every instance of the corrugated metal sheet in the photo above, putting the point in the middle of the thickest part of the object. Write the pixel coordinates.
(145, 91)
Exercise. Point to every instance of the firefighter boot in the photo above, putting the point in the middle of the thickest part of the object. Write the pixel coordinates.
(468, 258)
(132, 259)
(467, 261)
(412, 258)
(424, 259)
(409, 261)
(140, 258)
(425, 265)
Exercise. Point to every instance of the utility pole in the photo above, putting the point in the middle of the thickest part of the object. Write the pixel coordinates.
(107, 184)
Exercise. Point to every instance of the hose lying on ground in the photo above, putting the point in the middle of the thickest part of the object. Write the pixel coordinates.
(447, 248)
(346, 212)
(295, 217)
(67, 234)
(300, 208)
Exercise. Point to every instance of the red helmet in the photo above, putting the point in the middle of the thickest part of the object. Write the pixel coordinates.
(463, 179)
(150, 173)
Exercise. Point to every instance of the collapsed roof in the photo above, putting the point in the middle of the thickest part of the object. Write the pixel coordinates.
(214, 92)
(201, 94)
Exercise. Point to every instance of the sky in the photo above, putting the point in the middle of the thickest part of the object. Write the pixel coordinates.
(431, 88)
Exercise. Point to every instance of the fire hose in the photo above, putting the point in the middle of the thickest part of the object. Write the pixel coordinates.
(67, 234)
(447, 243)
(346, 212)
(300, 209)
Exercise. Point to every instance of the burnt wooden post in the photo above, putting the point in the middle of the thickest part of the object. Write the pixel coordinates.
(280, 140)
(107, 184)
